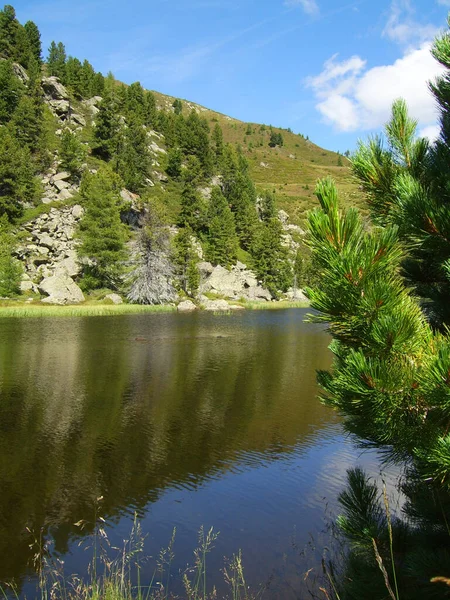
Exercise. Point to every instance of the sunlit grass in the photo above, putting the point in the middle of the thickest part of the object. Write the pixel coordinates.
(18, 310)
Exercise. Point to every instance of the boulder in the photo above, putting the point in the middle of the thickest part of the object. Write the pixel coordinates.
(47, 241)
(76, 118)
(59, 107)
(54, 89)
(217, 306)
(60, 184)
(20, 73)
(61, 175)
(115, 298)
(68, 267)
(258, 293)
(186, 306)
(77, 211)
(65, 194)
(60, 289)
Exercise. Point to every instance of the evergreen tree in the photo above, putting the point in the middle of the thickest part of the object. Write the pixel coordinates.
(101, 231)
(177, 106)
(132, 160)
(11, 90)
(192, 211)
(221, 238)
(87, 79)
(135, 102)
(22, 48)
(390, 377)
(56, 60)
(185, 260)
(270, 257)
(17, 181)
(107, 128)
(10, 268)
(174, 163)
(72, 153)
(26, 122)
(267, 209)
(150, 110)
(73, 76)
(34, 40)
(276, 139)
(218, 145)
(8, 32)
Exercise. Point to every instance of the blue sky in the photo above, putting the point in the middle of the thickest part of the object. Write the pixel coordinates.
(326, 68)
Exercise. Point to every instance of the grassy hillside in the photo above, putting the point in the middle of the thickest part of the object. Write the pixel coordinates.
(292, 170)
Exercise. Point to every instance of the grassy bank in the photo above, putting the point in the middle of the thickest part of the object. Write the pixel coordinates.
(17, 309)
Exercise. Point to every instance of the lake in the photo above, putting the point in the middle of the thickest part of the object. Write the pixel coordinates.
(186, 420)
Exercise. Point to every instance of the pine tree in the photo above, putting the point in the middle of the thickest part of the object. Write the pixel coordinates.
(174, 163)
(101, 231)
(11, 90)
(10, 268)
(218, 145)
(135, 102)
(267, 207)
(17, 181)
(192, 211)
(221, 238)
(8, 32)
(270, 257)
(132, 160)
(26, 122)
(150, 110)
(177, 106)
(73, 76)
(185, 260)
(390, 377)
(72, 153)
(34, 40)
(56, 60)
(107, 129)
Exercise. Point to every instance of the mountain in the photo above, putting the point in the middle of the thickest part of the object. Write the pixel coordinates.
(111, 187)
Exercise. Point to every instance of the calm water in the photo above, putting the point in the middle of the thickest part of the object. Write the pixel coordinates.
(187, 420)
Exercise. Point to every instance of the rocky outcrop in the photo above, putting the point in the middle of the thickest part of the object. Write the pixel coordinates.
(60, 289)
(50, 247)
(58, 99)
(238, 282)
(57, 187)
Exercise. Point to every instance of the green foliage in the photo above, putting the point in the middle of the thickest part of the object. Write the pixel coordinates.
(192, 213)
(218, 145)
(10, 268)
(56, 60)
(276, 139)
(101, 231)
(132, 160)
(17, 181)
(34, 40)
(72, 153)
(185, 260)
(26, 123)
(177, 106)
(11, 90)
(221, 238)
(174, 163)
(8, 31)
(390, 377)
(270, 257)
(267, 207)
(107, 128)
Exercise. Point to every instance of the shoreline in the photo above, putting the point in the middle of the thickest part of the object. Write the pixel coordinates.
(17, 309)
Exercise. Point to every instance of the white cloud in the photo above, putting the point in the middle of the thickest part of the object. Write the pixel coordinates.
(402, 28)
(431, 132)
(352, 97)
(309, 6)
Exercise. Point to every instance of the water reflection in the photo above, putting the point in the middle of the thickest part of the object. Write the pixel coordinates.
(134, 408)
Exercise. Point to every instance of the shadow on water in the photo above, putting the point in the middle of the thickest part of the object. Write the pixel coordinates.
(186, 419)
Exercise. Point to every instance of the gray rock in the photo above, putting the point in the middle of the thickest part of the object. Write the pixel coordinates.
(59, 107)
(47, 241)
(115, 298)
(47, 200)
(76, 118)
(77, 211)
(26, 286)
(60, 289)
(61, 185)
(258, 293)
(186, 306)
(65, 195)
(54, 89)
(20, 73)
(216, 306)
(68, 267)
(61, 175)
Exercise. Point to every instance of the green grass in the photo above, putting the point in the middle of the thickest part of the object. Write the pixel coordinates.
(280, 305)
(16, 310)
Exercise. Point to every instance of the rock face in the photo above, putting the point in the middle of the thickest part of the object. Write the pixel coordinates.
(54, 89)
(114, 298)
(50, 248)
(237, 283)
(186, 306)
(60, 289)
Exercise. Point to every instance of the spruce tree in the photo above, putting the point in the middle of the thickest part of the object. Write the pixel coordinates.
(107, 128)
(56, 60)
(192, 212)
(101, 231)
(26, 122)
(34, 40)
(150, 110)
(383, 292)
(185, 260)
(174, 163)
(72, 153)
(8, 32)
(17, 181)
(177, 106)
(221, 238)
(11, 90)
(270, 257)
(10, 268)
(132, 160)
(217, 145)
